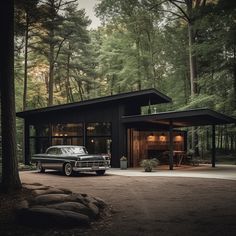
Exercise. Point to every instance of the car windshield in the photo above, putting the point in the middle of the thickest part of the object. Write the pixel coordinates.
(74, 150)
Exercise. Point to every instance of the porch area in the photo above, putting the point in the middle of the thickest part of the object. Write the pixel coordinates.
(227, 172)
(174, 145)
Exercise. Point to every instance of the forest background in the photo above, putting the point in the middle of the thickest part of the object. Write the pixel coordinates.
(183, 48)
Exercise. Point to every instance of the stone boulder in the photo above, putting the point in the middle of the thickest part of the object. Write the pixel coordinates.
(58, 207)
(44, 216)
(76, 207)
(50, 198)
(48, 191)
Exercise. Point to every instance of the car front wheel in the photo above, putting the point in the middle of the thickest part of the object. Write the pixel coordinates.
(39, 167)
(100, 172)
(67, 169)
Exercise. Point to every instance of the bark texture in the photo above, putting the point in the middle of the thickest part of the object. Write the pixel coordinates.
(10, 175)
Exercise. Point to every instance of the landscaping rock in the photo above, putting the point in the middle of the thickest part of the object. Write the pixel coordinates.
(51, 217)
(100, 203)
(58, 207)
(65, 190)
(51, 198)
(94, 209)
(48, 191)
(22, 205)
(75, 207)
(33, 187)
(77, 197)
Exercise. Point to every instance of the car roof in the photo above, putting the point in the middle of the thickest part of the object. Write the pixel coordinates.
(65, 146)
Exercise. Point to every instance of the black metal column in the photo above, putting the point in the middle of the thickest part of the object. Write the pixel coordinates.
(26, 145)
(213, 157)
(171, 144)
(84, 134)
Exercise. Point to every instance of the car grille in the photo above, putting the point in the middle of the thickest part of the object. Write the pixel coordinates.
(92, 163)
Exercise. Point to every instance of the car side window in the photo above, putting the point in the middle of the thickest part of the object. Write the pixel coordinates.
(52, 151)
(58, 151)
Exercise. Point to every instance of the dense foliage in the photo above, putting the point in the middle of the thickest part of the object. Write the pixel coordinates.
(184, 48)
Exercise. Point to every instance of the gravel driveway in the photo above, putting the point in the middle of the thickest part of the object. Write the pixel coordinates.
(155, 205)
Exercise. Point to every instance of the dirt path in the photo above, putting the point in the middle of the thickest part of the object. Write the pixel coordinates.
(156, 205)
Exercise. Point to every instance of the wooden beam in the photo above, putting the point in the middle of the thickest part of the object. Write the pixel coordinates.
(171, 146)
(213, 157)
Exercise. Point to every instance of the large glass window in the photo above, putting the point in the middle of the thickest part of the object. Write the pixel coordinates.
(66, 140)
(39, 138)
(99, 129)
(43, 136)
(99, 137)
(38, 144)
(67, 129)
(99, 145)
(40, 131)
(67, 134)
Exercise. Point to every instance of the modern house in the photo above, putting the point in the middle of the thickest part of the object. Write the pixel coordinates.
(115, 125)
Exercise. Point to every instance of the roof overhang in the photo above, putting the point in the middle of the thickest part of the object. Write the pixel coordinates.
(137, 98)
(197, 117)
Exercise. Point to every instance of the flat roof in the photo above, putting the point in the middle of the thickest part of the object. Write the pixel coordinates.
(187, 118)
(141, 98)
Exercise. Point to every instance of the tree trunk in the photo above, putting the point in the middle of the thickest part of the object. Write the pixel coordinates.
(10, 175)
(139, 82)
(193, 80)
(51, 75)
(26, 62)
(234, 77)
(68, 77)
(51, 54)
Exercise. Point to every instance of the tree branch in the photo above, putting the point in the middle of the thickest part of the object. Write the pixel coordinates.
(176, 14)
(158, 4)
(59, 49)
(181, 9)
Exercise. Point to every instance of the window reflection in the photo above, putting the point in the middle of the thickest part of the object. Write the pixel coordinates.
(98, 136)
(67, 129)
(98, 129)
(99, 145)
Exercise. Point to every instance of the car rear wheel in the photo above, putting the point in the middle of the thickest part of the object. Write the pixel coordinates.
(68, 169)
(39, 167)
(100, 172)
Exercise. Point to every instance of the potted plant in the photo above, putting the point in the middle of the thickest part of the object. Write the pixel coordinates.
(148, 164)
(123, 163)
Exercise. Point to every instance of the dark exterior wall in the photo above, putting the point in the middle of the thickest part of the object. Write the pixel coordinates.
(97, 113)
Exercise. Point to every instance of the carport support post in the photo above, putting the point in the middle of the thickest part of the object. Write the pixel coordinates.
(171, 146)
(213, 157)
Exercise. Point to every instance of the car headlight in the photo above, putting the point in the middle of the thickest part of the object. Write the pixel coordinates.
(106, 157)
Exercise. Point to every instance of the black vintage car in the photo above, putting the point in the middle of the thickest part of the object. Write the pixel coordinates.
(71, 159)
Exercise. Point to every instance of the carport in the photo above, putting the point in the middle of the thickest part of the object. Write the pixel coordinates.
(180, 119)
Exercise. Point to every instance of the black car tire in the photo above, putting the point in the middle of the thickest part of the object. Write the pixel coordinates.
(39, 167)
(67, 169)
(100, 172)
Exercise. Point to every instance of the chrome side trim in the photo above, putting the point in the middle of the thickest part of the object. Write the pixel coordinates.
(54, 159)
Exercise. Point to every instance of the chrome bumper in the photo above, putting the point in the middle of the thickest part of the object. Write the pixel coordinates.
(94, 168)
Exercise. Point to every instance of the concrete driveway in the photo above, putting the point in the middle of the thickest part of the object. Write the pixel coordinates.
(202, 171)
(157, 203)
